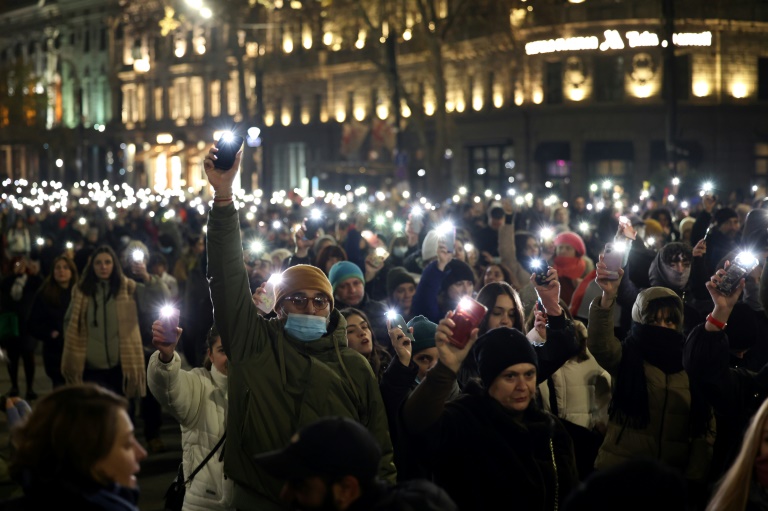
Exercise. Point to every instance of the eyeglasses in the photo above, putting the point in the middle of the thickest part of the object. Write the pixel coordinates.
(301, 302)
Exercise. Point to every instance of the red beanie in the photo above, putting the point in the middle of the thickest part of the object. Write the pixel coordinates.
(572, 239)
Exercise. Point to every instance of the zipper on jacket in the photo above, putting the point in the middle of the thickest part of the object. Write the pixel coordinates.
(663, 413)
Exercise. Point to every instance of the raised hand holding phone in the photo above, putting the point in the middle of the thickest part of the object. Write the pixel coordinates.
(736, 272)
(400, 336)
(264, 297)
(450, 354)
(467, 317)
(220, 180)
(228, 147)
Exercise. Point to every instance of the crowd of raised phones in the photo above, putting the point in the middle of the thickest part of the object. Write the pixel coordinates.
(536, 357)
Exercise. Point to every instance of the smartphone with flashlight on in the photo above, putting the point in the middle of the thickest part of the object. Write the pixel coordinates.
(378, 257)
(447, 233)
(613, 257)
(137, 256)
(397, 321)
(311, 226)
(741, 266)
(169, 317)
(228, 145)
(467, 316)
(540, 270)
(268, 299)
(417, 223)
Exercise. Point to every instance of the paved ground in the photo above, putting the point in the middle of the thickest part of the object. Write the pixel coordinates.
(157, 470)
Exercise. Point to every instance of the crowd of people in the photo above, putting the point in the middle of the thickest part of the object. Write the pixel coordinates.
(327, 344)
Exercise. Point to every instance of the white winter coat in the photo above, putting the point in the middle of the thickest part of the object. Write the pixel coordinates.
(197, 399)
(583, 390)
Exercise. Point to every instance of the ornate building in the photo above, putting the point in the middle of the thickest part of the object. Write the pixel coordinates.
(488, 94)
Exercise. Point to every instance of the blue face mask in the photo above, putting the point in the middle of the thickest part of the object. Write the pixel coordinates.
(306, 327)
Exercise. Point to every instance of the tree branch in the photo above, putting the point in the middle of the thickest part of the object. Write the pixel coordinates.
(452, 17)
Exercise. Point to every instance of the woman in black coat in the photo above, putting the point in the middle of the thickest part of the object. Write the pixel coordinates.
(46, 319)
(493, 447)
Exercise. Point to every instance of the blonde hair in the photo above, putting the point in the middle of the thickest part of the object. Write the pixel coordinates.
(733, 489)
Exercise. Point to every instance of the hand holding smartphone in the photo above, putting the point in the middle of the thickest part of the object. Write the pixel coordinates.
(169, 316)
(228, 145)
(397, 321)
(378, 257)
(268, 299)
(741, 266)
(447, 234)
(467, 316)
(540, 269)
(613, 257)
(311, 226)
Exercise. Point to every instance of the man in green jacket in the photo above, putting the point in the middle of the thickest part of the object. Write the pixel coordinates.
(286, 372)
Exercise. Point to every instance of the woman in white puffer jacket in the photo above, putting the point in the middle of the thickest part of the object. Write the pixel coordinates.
(197, 399)
(579, 393)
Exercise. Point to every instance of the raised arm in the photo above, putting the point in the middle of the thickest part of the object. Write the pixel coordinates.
(601, 341)
(179, 392)
(425, 406)
(234, 313)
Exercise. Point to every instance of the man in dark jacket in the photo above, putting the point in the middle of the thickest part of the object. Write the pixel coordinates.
(348, 283)
(332, 465)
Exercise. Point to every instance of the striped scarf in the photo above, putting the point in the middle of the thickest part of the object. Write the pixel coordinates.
(131, 350)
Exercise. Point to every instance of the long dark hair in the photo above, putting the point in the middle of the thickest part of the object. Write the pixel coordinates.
(89, 279)
(51, 291)
(487, 296)
(379, 357)
(326, 253)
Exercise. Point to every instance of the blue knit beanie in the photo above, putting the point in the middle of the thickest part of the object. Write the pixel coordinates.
(342, 271)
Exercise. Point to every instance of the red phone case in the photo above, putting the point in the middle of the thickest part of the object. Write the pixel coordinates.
(468, 316)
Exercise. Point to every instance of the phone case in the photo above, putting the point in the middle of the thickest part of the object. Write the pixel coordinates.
(225, 158)
(612, 259)
(417, 224)
(399, 322)
(449, 239)
(311, 226)
(170, 324)
(541, 275)
(268, 300)
(735, 272)
(467, 316)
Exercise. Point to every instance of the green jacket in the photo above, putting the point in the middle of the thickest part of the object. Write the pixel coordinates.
(667, 437)
(277, 384)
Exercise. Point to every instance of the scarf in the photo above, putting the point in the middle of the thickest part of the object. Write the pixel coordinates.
(131, 350)
(663, 348)
(570, 267)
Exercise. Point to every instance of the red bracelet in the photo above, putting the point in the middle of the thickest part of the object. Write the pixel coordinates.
(718, 324)
(222, 199)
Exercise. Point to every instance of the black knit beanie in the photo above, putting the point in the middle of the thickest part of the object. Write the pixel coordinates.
(722, 215)
(396, 276)
(500, 348)
(456, 271)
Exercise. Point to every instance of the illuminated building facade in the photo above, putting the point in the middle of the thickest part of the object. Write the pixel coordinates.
(56, 97)
(558, 93)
